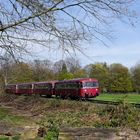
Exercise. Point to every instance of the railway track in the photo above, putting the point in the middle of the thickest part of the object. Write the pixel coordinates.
(111, 102)
(137, 105)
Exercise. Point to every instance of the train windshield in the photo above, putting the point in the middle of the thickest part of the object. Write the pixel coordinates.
(90, 84)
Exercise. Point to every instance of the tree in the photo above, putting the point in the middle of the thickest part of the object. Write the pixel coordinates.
(79, 73)
(101, 72)
(73, 64)
(20, 72)
(64, 74)
(42, 70)
(5, 67)
(57, 67)
(120, 80)
(135, 73)
(74, 67)
(52, 23)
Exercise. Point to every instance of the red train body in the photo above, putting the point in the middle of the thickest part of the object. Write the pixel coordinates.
(11, 88)
(25, 88)
(83, 87)
(75, 88)
(43, 88)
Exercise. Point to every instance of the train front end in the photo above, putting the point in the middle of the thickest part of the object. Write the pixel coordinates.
(89, 88)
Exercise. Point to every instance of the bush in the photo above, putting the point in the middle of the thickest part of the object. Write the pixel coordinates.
(122, 115)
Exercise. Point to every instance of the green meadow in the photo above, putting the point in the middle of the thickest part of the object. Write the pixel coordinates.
(130, 98)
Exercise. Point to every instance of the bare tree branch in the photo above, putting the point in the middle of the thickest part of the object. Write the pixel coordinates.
(60, 24)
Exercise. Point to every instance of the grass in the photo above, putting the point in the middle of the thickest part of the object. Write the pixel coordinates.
(12, 124)
(130, 98)
(8, 117)
(8, 138)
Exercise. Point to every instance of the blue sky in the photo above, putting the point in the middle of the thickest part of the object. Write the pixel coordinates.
(124, 47)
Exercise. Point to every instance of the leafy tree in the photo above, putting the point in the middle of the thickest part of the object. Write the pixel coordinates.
(100, 71)
(120, 80)
(20, 72)
(79, 73)
(64, 74)
(135, 73)
(55, 23)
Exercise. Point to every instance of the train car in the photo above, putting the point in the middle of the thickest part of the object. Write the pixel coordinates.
(11, 89)
(25, 88)
(77, 88)
(43, 88)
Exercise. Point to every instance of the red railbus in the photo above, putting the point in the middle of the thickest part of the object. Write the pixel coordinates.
(11, 88)
(25, 88)
(43, 88)
(77, 88)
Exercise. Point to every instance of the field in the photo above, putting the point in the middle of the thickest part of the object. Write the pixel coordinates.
(130, 98)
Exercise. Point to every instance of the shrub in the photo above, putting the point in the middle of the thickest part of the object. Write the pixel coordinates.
(122, 115)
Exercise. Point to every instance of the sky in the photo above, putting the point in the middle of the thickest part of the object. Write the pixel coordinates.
(124, 48)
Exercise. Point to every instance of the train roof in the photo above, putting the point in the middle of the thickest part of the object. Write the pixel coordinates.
(33, 83)
(45, 82)
(78, 80)
(63, 81)
(25, 83)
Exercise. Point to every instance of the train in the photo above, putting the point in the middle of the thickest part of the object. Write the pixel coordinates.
(73, 88)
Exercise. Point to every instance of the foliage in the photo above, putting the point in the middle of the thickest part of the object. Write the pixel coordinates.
(64, 74)
(20, 72)
(4, 138)
(100, 71)
(52, 133)
(70, 113)
(135, 73)
(120, 80)
(79, 73)
(122, 115)
(81, 114)
(112, 78)
(42, 70)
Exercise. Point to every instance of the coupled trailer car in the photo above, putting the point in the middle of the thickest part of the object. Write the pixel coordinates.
(74, 88)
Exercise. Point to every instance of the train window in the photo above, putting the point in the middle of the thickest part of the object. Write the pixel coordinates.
(75, 85)
(90, 84)
(60, 86)
(24, 86)
(72, 85)
(43, 86)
